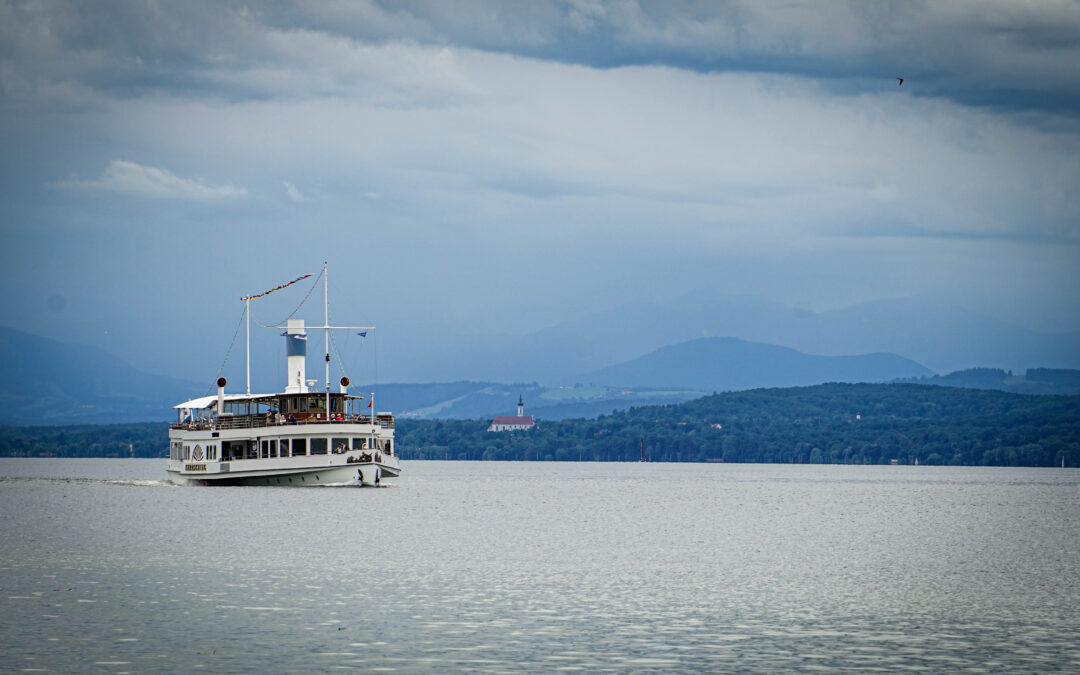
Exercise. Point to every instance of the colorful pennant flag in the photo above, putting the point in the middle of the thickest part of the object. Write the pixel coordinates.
(275, 288)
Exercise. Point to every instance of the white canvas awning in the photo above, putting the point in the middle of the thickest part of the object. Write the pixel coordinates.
(206, 401)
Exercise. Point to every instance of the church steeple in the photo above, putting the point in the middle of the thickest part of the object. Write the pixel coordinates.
(521, 407)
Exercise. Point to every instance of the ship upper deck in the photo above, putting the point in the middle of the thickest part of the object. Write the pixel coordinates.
(247, 411)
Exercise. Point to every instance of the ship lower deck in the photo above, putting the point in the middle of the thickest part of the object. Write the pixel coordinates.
(336, 470)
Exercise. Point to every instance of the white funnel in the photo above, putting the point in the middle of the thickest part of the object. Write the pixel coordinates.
(296, 353)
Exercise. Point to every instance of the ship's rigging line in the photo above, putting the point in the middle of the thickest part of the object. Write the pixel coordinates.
(240, 323)
(228, 352)
(333, 340)
(337, 354)
(282, 322)
(340, 360)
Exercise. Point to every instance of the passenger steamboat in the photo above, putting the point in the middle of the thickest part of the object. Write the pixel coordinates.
(299, 437)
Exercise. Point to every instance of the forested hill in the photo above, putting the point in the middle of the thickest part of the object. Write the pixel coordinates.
(1034, 381)
(831, 423)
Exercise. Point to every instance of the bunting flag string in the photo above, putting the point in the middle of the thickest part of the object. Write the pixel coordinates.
(275, 288)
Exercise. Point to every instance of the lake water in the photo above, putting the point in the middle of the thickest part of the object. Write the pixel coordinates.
(540, 567)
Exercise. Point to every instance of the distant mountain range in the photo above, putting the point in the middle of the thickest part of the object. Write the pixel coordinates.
(940, 337)
(472, 400)
(729, 364)
(50, 382)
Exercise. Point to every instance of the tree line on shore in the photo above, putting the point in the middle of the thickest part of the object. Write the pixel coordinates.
(831, 423)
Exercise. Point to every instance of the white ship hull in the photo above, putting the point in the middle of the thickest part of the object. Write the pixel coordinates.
(292, 471)
(265, 454)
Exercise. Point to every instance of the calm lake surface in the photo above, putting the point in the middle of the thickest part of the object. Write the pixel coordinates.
(539, 567)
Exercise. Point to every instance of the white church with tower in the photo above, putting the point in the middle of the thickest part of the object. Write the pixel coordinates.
(519, 422)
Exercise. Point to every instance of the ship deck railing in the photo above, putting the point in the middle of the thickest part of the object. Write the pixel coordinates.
(382, 420)
(364, 457)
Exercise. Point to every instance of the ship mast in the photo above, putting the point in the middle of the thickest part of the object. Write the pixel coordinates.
(326, 328)
(247, 343)
(326, 333)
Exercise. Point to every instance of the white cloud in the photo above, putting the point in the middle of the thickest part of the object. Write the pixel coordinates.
(151, 182)
(293, 193)
(305, 65)
(721, 154)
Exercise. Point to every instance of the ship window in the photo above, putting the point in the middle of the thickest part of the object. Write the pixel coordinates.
(318, 446)
(333, 405)
(299, 447)
(389, 446)
(302, 402)
(273, 448)
(187, 452)
(340, 444)
(358, 443)
(316, 404)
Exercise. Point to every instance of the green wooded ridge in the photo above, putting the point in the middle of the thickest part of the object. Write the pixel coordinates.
(830, 423)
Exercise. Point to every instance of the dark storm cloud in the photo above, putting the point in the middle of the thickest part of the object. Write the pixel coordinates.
(995, 53)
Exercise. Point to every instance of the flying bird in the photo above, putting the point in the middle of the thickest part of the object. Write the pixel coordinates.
(901, 81)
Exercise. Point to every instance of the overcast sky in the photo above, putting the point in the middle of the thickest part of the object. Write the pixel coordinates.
(502, 166)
